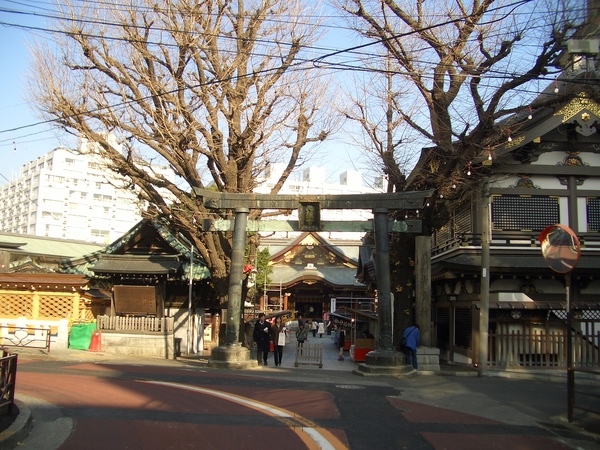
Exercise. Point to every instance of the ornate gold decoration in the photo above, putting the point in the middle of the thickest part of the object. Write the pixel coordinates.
(572, 159)
(577, 105)
(434, 166)
(526, 182)
(516, 141)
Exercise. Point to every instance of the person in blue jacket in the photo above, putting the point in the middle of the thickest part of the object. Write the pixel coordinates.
(413, 336)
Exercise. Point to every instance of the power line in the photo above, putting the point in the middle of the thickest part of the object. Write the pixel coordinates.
(313, 61)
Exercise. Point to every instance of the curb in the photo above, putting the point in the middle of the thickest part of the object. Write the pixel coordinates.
(19, 429)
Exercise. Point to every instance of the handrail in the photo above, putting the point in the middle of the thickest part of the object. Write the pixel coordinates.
(8, 375)
(505, 238)
(26, 336)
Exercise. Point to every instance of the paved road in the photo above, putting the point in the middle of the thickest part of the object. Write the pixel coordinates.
(95, 401)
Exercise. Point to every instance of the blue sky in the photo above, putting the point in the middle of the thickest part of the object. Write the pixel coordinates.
(23, 136)
(15, 112)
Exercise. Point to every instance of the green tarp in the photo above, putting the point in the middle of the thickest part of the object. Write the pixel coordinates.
(80, 336)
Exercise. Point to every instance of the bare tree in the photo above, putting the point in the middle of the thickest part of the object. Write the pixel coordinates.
(384, 137)
(464, 65)
(213, 89)
(468, 63)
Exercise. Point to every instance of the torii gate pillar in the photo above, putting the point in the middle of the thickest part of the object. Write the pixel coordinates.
(233, 355)
(384, 360)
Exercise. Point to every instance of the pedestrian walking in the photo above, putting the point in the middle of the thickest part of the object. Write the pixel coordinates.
(340, 342)
(301, 335)
(279, 335)
(262, 337)
(315, 326)
(321, 329)
(410, 341)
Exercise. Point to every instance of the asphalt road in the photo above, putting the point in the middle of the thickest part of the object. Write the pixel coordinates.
(150, 404)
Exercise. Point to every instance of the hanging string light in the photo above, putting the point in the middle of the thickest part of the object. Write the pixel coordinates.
(509, 137)
(469, 168)
(556, 85)
(530, 116)
(488, 160)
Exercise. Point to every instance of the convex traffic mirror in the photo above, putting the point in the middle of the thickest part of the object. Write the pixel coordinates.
(560, 248)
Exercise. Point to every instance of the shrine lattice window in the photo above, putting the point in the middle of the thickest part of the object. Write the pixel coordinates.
(593, 213)
(524, 213)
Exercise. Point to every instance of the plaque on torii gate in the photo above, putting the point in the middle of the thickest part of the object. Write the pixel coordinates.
(232, 354)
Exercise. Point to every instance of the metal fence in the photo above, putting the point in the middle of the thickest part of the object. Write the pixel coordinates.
(541, 349)
(8, 373)
(27, 336)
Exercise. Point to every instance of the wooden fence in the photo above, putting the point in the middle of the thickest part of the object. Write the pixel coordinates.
(309, 354)
(535, 348)
(141, 324)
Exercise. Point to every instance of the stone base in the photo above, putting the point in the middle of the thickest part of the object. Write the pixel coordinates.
(391, 363)
(144, 345)
(365, 370)
(428, 359)
(231, 357)
(384, 363)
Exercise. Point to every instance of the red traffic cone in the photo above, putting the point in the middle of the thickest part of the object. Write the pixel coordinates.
(96, 344)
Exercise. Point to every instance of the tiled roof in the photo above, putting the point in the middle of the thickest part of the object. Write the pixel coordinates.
(43, 246)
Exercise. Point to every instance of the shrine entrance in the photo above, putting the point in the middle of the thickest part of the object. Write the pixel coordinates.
(232, 354)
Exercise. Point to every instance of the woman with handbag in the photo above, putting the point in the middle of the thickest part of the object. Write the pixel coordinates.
(279, 335)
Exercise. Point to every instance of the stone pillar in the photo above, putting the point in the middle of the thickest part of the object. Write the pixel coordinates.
(423, 288)
(382, 266)
(427, 354)
(236, 277)
(232, 355)
(384, 360)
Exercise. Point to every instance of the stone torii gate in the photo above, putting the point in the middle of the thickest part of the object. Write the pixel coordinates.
(232, 354)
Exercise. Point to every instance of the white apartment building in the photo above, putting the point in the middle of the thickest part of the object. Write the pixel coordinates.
(68, 195)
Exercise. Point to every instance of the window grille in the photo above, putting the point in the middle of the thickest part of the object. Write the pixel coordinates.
(442, 325)
(463, 327)
(462, 220)
(524, 213)
(593, 213)
(443, 235)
